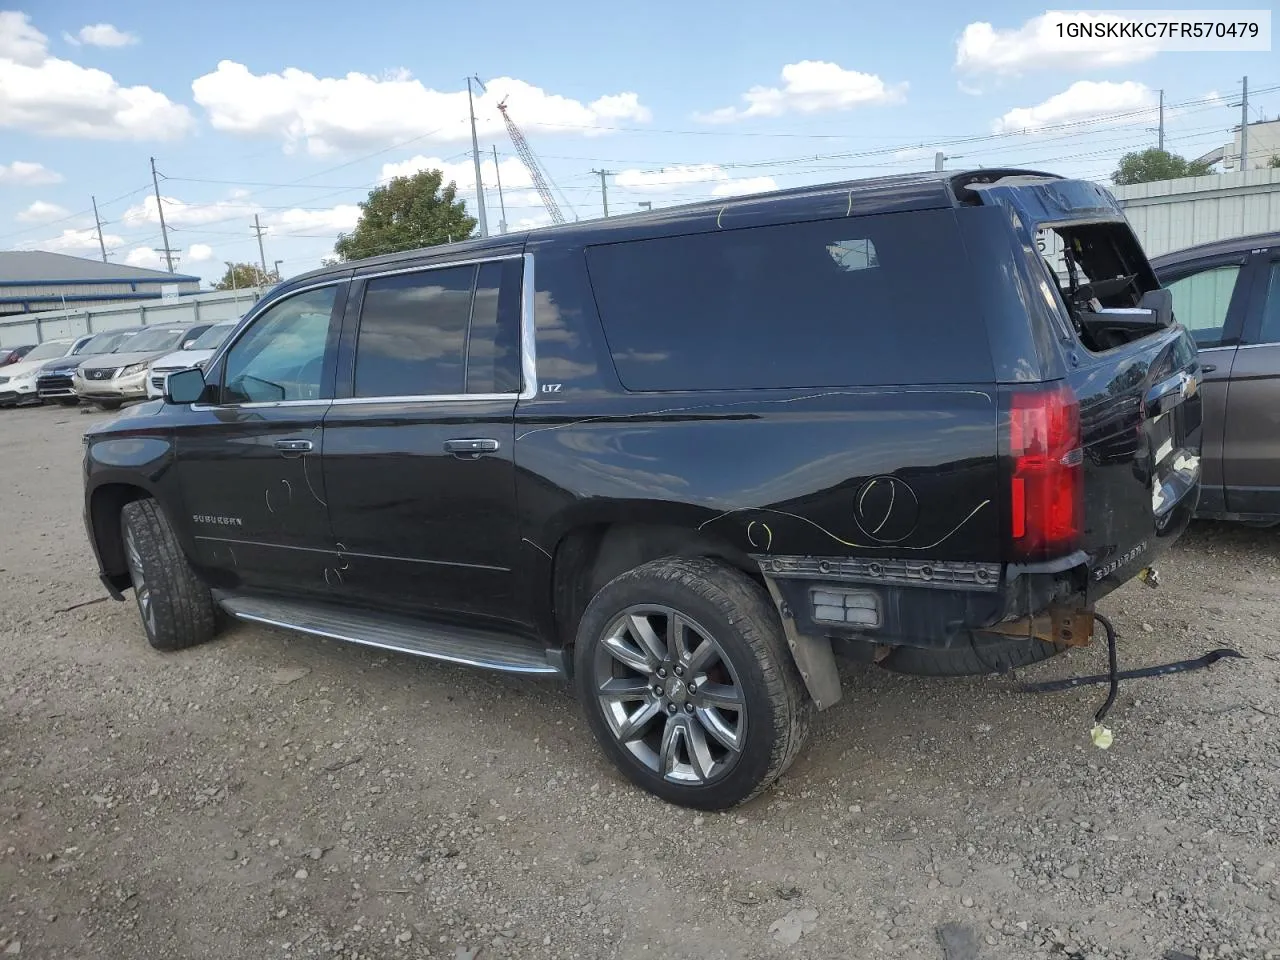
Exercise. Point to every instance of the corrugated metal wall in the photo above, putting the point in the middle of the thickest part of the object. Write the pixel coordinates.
(1172, 214)
(37, 327)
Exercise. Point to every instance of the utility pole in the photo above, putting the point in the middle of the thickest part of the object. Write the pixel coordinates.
(1244, 126)
(604, 188)
(475, 155)
(1160, 127)
(164, 231)
(502, 204)
(101, 246)
(262, 254)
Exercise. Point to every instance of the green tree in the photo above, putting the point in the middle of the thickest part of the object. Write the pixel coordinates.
(404, 213)
(240, 276)
(1147, 165)
(1274, 162)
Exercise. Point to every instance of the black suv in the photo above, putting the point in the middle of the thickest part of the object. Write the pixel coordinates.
(684, 458)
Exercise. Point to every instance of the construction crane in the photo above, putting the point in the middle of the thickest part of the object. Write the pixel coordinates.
(531, 164)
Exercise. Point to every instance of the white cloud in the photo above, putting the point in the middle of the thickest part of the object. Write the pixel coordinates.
(324, 114)
(1083, 100)
(42, 212)
(20, 41)
(23, 173)
(1037, 45)
(71, 241)
(663, 179)
(811, 86)
(533, 223)
(56, 97)
(199, 252)
(333, 220)
(101, 35)
(463, 173)
(183, 214)
(737, 188)
(144, 257)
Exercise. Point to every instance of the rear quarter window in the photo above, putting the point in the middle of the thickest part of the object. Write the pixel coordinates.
(874, 300)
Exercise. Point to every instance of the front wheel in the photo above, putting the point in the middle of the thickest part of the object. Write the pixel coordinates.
(687, 682)
(176, 608)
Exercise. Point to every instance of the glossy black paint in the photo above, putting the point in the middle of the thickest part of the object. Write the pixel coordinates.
(379, 513)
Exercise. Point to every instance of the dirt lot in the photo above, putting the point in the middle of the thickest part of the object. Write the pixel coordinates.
(276, 796)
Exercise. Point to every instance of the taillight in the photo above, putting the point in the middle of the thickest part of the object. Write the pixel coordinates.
(1047, 478)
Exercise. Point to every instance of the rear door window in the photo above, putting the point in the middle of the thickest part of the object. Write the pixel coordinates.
(868, 301)
(444, 332)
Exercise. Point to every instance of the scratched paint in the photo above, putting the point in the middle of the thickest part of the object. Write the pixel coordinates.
(841, 540)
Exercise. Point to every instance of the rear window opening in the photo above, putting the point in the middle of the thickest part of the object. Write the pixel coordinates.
(1104, 281)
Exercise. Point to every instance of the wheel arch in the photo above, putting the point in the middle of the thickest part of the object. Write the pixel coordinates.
(589, 555)
(105, 503)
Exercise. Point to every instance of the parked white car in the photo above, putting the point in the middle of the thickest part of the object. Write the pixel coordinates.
(193, 355)
(18, 380)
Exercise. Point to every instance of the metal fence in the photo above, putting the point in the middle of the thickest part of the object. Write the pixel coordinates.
(1172, 214)
(55, 324)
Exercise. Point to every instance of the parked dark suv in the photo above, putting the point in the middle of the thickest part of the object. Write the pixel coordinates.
(684, 458)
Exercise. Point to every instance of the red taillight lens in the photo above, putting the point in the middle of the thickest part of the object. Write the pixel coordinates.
(1047, 480)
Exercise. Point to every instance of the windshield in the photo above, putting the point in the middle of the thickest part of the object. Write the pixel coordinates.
(161, 339)
(47, 351)
(105, 342)
(213, 337)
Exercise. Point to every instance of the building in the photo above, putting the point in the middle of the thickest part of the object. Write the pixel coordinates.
(1264, 143)
(33, 280)
(1172, 214)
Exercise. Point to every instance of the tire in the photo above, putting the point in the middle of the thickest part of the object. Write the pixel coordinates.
(748, 663)
(69, 401)
(176, 609)
(985, 653)
(108, 404)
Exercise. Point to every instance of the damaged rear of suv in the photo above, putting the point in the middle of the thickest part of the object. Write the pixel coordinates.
(685, 459)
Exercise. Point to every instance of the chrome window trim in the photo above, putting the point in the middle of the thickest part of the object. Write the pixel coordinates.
(424, 398)
(425, 267)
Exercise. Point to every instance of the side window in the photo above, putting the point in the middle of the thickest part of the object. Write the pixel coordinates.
(1270, 331)
(493, 346)
(874, 300)
(281, 356)
(1201, 301)
(441, 332)
(413, 333)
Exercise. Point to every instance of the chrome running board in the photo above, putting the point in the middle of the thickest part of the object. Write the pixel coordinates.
(464, 645)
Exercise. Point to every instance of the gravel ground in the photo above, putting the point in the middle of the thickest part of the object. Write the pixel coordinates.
(269, 795)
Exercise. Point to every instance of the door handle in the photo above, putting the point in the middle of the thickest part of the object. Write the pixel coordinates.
(471, 447)
(294, 446)
(1208, 367)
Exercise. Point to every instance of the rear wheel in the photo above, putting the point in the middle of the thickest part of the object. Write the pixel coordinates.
(177, 610)
(688, 684)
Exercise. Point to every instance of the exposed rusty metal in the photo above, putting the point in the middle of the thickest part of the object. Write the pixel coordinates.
(1064, 626)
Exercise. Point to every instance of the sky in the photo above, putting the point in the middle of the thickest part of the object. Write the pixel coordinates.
(294, 113)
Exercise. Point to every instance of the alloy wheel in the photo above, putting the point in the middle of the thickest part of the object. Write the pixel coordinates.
(140, 588)
(670, 695)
